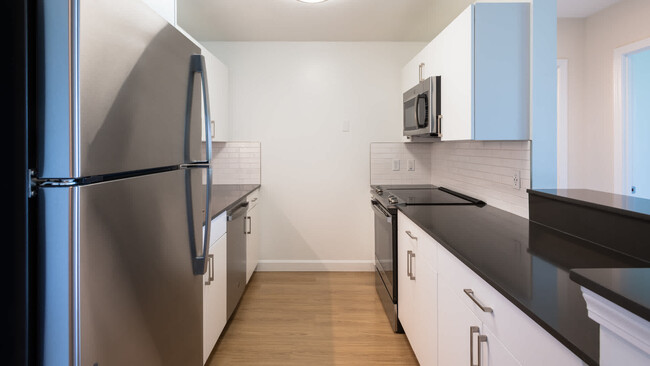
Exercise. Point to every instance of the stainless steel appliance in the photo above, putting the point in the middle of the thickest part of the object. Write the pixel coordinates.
(121, 185)
(236, 256)
(385, 202)
(422, 112)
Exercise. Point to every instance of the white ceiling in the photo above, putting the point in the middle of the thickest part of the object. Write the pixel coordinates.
(581, 8)
(290, 20)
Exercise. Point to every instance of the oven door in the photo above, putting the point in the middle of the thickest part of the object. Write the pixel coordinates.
(385, 248)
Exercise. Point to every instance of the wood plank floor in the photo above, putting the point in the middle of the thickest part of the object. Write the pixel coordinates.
(311, 318)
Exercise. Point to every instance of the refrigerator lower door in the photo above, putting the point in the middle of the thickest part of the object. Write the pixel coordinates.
(119, 286)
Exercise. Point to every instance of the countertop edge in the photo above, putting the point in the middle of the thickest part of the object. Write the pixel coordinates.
(611, 295)
(233, 203)
(597, 206)
(572, 347)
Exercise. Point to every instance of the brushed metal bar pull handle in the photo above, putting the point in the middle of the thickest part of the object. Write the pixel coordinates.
(472, 330)
(210, 269)
(470, 293)
(211, 258)
(408, 263)
(411, 235)
(250, 225)
(481, 339)
(412, 275)
(421, 66)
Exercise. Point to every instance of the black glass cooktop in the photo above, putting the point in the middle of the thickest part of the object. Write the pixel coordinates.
(433, 196)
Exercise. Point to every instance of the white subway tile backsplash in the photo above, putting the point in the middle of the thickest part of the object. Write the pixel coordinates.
(236, 162)
(482, 169)
(382, 155)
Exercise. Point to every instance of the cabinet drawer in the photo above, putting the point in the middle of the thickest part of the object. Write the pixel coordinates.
(253, 198)
(218, 227)
(425, 246)
(526, 340)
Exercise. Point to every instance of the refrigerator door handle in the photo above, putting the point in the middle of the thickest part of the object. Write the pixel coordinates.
(199, 261)
(197, 65)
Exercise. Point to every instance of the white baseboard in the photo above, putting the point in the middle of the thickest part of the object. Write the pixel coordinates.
(315, 266)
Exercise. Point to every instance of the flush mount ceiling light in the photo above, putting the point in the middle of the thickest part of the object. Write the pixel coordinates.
(312, 1)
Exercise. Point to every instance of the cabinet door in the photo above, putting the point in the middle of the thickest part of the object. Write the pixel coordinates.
(252, 242)
(425, 339)
(455, 50)
(218, 89)
(494, 352)
(455, 328)
(406, 310)
(165, 8)
(214, 297)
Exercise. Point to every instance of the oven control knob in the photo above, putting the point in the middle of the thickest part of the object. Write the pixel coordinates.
(392, 200)
(379, 191)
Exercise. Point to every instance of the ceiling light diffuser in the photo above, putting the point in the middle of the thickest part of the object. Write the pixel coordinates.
(312, 1)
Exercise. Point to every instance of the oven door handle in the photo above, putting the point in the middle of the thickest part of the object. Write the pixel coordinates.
(381, 211)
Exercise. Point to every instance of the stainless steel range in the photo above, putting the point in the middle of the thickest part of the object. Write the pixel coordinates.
(385, 202)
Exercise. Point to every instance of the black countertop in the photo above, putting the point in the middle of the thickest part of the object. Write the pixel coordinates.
(527, 263)
(623, 205)
(226, 196)
(626, 287)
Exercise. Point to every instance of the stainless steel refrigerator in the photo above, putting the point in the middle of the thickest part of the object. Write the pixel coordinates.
(122, 185)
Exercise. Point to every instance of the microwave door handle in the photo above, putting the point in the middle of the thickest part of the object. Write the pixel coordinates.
(417, 117)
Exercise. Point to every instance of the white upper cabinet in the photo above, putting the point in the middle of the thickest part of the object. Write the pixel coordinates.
(217, 76)
(483, 57)
(411, 72)
(218, 95)
(166, 9)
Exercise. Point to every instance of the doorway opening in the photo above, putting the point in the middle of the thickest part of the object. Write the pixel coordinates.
(632, 119)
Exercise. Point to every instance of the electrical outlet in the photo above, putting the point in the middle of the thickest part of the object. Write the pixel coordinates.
(516, 180)
(396, 165)
(410, 165)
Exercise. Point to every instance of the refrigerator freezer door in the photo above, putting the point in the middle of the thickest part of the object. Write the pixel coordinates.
(118, 271)
(116, 81)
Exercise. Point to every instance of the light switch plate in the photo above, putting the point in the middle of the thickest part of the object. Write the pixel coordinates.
(410, 165)
(396, 165)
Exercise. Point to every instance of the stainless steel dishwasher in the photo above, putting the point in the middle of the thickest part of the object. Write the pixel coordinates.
(236, 256)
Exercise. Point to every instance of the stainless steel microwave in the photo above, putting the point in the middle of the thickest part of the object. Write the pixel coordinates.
(422, 115)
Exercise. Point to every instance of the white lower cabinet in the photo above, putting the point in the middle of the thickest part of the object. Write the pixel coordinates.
(451, 316)
(457, 326)
(214, 287)
(417, 282)
(464, 339)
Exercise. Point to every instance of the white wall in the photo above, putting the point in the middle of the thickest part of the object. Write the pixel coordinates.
(591, 144)
(293, 97)
(570, 46)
